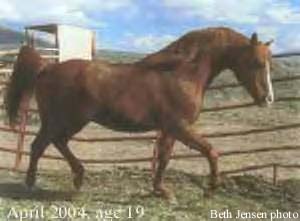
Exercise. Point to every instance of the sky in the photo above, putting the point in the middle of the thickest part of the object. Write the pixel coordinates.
(147, 25)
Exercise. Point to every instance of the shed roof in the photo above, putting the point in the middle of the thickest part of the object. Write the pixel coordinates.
(50, 28)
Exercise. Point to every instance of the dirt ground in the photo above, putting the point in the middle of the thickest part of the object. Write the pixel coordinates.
(121, 189)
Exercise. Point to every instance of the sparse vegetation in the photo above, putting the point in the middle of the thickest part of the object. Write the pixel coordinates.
(124, 188)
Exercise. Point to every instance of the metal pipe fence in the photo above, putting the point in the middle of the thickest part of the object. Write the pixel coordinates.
(23, 132)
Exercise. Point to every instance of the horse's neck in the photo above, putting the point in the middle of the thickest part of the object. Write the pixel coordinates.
(193, 79)
(223, 59)
(230, 56)
(202, 73)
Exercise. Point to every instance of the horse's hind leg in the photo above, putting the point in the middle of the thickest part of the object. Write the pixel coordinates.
(74, 163)
(197, 142)
(38, 147)
(165, 145)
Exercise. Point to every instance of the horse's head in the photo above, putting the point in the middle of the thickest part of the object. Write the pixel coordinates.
(253, 70)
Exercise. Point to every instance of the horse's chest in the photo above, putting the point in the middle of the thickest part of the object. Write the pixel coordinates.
(192, 100)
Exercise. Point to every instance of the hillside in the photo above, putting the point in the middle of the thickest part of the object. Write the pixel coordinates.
(10, 38)
(118, 56)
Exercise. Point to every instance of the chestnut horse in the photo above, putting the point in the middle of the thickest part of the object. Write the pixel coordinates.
(162, 92)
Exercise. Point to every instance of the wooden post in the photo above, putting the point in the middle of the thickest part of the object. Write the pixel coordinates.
(94, 46)
(275, 171)
(155, 156)
(154, 160)
(22, 129)
(57, 46)
(26, 37)
(29, 38)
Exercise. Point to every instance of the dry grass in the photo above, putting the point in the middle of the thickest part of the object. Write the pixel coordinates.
(123, 188)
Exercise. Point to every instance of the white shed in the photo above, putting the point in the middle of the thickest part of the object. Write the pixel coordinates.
(70, 42)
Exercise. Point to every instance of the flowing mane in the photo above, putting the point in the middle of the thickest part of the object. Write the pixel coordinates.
(196, 43)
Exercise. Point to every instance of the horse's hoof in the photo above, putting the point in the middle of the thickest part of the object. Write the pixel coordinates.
(29, 183)
(30, 188)
(172, 200)
(208, 194)
(77, 183)
(164, 193)
(78, 180)
(213, 186)
(215, 183)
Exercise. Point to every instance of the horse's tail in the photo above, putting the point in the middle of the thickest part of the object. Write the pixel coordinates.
(22, 81)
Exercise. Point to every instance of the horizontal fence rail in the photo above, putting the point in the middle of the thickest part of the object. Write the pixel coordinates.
(5, 70)
(153, 136)
(47, 49)
(223, 86)
(234, 85)
(248, 104)
(177, 156)
(286, 54)
(217, 108)
(9, 52)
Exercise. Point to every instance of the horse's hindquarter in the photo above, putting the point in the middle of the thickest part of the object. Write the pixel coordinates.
(76, 92)
(60, 93)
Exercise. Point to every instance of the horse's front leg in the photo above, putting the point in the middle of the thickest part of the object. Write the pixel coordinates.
(197, 142)
(164, 148)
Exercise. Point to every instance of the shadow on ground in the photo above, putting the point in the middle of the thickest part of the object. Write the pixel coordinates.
(18, 191)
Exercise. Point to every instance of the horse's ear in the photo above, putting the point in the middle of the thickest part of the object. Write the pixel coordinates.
(268, 43)
(254, 39)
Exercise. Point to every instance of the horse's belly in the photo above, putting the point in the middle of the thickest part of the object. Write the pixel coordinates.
(123, 124)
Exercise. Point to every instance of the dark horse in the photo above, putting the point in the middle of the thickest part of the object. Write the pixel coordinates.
(162, 92)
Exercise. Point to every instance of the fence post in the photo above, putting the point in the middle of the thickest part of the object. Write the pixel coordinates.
(155, 155)
(275, 171)
(22, 130)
